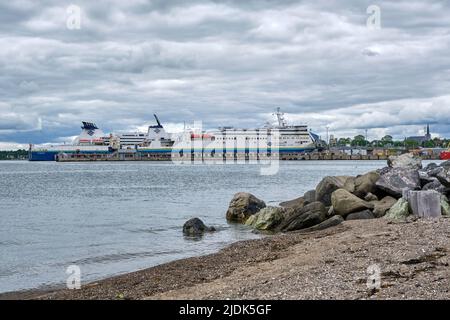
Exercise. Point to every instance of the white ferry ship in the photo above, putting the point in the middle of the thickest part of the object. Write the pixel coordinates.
(93, 141)
(291, 140)
(283, 140)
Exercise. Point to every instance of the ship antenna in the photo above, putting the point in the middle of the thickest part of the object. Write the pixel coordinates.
(280, 117)
(157, 120)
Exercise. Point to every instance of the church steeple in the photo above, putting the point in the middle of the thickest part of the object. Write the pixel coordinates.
(428, 135)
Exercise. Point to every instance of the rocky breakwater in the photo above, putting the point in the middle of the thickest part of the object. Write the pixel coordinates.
(397, 191)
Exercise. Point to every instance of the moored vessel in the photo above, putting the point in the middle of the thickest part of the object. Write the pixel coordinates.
(283, 140)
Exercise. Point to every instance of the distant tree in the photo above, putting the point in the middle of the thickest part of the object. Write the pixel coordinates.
(411, 144)
(438, 142)
(359, 141)
(344, 142)
(377, 143)
(429, 144)
(387, 138)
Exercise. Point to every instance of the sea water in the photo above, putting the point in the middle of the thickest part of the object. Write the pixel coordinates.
(113, 218)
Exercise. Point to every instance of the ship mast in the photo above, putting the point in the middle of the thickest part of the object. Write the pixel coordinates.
(280, 117)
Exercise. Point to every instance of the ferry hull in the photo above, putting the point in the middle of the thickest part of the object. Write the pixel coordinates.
(42, 156)
(51, 155)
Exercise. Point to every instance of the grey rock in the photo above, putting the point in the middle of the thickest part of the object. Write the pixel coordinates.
(365, 184)
(242, 206)
(425, 178)
(444, 177)
(407, 160)
(344, 202)
(436, 186)
(366, 214)
(430, 171)
(308, 216)
(295, 203)
(331, 222)
(370, 197)
(310, 196)
(393, 181)
(196, 227)
(382, 206)
(328, 185)
(445, 164)
(433, 165)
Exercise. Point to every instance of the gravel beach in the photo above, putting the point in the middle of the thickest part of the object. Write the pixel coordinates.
(413, 257)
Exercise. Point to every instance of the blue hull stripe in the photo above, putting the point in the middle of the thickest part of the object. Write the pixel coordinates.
(51, 155)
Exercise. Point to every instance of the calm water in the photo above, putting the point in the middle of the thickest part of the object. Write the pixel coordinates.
(112, 218)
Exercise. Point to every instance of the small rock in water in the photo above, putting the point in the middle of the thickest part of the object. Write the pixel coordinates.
(196, 227)
(242, 206)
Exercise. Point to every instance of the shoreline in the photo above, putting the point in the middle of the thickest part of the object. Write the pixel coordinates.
(327, 264)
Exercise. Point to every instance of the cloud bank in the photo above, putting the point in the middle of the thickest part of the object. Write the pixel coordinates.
(223, 62)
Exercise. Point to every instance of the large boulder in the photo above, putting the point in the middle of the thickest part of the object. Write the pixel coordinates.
(445, 164)
(399, 210)
(196, 227)
(267, 218)
(436, 186)
(330, 184)
(431, 170)
(331, 222)
(365, 214)
(444, 177)
(310, 215)
(365, 184)
(344, 202)
(382, 206)
(394, 180)
(242, 206)
(407, 160)
(295, 203)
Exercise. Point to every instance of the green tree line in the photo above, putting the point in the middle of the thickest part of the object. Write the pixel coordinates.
(14, 155)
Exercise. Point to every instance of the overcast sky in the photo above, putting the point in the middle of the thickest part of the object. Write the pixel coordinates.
(224, 63)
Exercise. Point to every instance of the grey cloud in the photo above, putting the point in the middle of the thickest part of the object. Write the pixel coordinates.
(224, 62)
